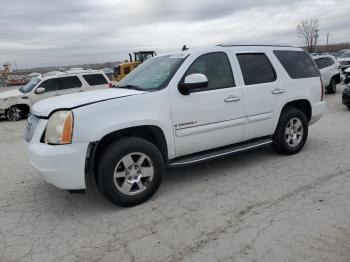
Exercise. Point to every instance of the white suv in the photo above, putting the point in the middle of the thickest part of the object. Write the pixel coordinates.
(329, 68)
(174, 110)
(15, 104)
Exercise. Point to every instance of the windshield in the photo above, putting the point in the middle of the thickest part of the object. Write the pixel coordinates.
(346, 55)
(154, 74)
(29, 87)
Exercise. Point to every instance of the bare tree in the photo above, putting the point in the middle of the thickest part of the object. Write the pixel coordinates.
(307, 30)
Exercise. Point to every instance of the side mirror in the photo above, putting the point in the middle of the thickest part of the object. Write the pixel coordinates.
(40, 90)
(193, 82)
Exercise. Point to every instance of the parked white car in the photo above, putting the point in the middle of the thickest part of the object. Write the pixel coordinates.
(344, 60)
(175, 110)
(329, 68)
(15, 104)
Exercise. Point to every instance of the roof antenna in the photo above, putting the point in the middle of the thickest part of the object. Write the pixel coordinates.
(184, 48)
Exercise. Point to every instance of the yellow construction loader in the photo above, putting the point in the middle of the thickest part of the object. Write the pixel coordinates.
(125, 68)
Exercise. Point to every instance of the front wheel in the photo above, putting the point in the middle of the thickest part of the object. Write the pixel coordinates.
(130, 171)
(13, 114)
(291, 132)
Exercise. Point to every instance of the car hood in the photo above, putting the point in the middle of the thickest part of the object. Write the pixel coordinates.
(10, 94)
(71, 101)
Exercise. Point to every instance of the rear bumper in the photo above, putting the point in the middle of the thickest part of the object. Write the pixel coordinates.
(318, 109)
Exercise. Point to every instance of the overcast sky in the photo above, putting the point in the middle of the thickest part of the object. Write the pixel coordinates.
(42, 32)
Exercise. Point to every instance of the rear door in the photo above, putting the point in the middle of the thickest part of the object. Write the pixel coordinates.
(69, 85)
(325, 68)
(264, 92)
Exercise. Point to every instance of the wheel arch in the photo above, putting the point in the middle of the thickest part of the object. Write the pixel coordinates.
(151, 133)
(302, 104)
(337, 78)
(21, 106)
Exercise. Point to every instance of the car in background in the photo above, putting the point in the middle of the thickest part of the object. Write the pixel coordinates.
(16, 104)
(329, 68)
(339, 53)
(346, 96)
(346, 74)
(344, 60)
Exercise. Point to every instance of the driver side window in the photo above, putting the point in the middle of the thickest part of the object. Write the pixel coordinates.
(216, 67)
(51, 85)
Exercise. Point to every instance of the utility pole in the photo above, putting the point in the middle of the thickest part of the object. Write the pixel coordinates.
(316, 36)
(327, 42)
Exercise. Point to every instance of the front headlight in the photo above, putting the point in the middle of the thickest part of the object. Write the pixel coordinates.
(59, 130)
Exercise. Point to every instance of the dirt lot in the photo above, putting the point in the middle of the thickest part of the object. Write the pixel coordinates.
(255, 206)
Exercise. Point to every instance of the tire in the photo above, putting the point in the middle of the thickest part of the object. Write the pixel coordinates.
(348, 107)
(291, 132)
(13, 114)
(332, 88)
(130, 171)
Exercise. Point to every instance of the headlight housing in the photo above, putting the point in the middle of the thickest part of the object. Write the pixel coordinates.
(59, 130)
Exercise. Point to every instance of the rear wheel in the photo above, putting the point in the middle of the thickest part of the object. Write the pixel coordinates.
(13, 113)
(332, 88)
(130, 171)
(291, 132)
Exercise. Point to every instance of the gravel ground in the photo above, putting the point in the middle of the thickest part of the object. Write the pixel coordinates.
(255, 206)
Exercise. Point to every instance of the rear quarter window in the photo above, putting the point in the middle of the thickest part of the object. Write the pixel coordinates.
(95, 79)
(298, 64)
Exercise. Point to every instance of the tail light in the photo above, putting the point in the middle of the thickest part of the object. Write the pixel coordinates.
(110, 85)
(322, 89)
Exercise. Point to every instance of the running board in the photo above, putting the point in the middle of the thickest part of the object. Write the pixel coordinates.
(221, 152)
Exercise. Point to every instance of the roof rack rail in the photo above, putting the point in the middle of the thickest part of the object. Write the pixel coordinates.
(245, 44)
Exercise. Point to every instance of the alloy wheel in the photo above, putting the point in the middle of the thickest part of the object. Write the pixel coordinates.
(294, 132)
(133, 173)
(13, 114)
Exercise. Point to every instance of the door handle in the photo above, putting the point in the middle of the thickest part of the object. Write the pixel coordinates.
(278, 91)
(232, 99)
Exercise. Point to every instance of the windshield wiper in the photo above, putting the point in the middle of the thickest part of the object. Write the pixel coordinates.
(133, 87)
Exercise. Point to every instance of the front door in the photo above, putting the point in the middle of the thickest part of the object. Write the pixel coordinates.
(52, 87)
(211, 117)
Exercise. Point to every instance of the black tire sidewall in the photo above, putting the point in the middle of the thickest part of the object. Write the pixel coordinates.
(112, 155)
(279, 141)
(332, 87)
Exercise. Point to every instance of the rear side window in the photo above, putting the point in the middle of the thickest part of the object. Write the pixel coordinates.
(298, 64)
(95, 79)
(321, 62)
(216, 67)
(256, 68)
(70, 82)
(330, 61)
